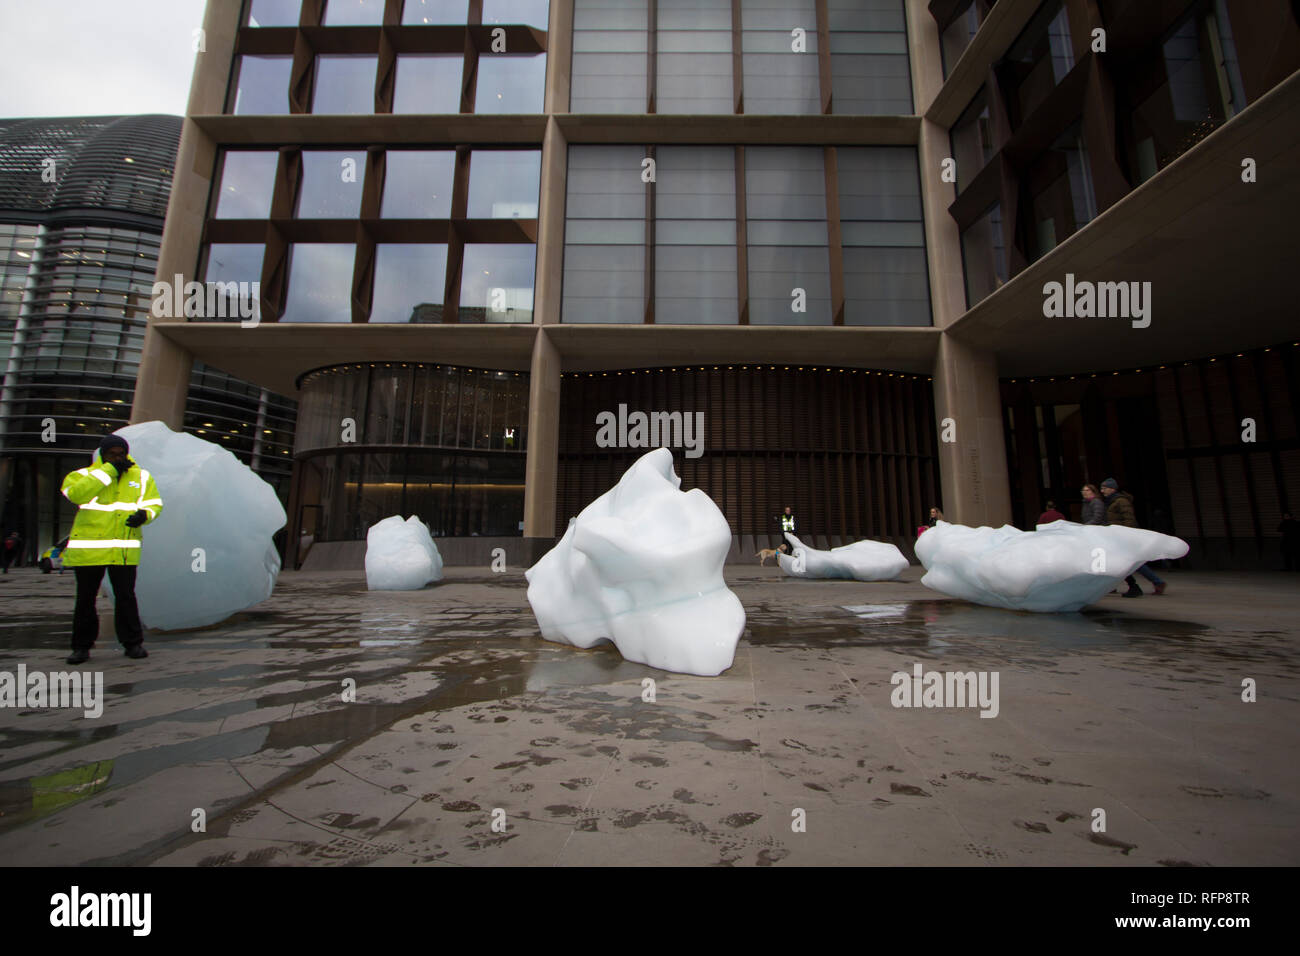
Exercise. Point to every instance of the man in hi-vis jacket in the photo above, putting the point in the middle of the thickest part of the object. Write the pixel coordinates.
(115, 497)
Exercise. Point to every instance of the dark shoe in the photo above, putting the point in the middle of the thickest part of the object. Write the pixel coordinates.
(1160, 588)
(78, 657)
(1132, 592)
(136, 651)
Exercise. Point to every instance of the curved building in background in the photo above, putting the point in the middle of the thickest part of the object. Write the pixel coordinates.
(82, 204)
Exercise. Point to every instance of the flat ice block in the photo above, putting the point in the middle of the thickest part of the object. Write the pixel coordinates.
(213, 501)
(401, 555)
(1061, 566)
(859, 561)
(642, 566)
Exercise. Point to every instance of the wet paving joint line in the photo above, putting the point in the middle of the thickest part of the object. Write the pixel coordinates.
(591, 794)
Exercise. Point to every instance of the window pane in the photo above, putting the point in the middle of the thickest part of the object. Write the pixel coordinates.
(778, 79)
(984, 255)
(417, 184)
(604, 252)
(331, 187)
(496, 283)
(609, 56)
(430, 12)
(785, 190)
(241, 263)
(427, 84)
(510, 84)
(972, 140)
(695, 236)
(504, 184)
(693, 64)
(354, 13)
(345, 84)
(320, 282)
(263, 85)
(274, 13)
(530, 13)
(869, 67)
(409, 280)
(247, 180)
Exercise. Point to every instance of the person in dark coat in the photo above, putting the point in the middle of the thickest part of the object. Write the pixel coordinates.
(1289, 529)
(1094, 508)
(1051, 514)
(1119, 510)
(12, 550)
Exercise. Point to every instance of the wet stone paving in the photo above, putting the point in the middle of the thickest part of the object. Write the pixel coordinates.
(472, 741)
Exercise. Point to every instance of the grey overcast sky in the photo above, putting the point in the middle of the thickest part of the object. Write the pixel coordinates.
(97, 57)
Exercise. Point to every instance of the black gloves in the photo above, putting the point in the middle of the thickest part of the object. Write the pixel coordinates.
(137, 519)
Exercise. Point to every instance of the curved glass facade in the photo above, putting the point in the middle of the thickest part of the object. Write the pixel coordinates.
(438, 441)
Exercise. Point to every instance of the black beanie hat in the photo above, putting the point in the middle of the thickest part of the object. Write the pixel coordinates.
(110, 441)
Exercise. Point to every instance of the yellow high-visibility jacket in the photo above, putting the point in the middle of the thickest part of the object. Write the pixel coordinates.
(100, 534)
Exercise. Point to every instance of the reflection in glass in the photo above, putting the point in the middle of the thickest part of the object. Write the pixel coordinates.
(496, 283)
(331, 185)
(785, 196)
(354, 13)
(886, 281)
(693, 62)
(984, 254)
(695, 236)
(777, 78)
(409, 280)
(1061, 194)
(504, 184)
(510, 83)
(274, 13)
(604, 235)
(869, 66)
(609, 56)
(263, 85)
(530, 13)
(417, 184)
(972, 140)
(320, 282)
(432, 12)
(428, 83)
(1039, 59)
(247, 181)
(344, 84)
(239, 262)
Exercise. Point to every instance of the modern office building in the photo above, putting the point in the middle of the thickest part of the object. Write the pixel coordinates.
(81, 218)
(472, 231)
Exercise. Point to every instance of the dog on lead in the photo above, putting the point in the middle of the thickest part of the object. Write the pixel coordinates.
(766, 553)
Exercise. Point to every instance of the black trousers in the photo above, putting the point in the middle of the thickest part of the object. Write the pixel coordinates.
(126, 616)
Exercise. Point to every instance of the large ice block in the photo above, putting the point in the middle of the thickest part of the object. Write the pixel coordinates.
(642, 566)
(859, 561)
(1060, 566)
(213, 502)
(401, 555)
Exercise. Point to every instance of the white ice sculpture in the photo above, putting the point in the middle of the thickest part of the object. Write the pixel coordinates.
(860, 561)
(401, 555)
(642, 566)
(209, 554)
(1061, 566)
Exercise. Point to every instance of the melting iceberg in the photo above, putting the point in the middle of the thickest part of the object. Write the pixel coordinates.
(860, 561)
(401, 555)
(211, 501)
(1061, 566)
(642, 566)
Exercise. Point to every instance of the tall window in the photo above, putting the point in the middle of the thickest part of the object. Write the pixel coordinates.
(604, 237)
(780, 66)
(695, 236)
(785, 207)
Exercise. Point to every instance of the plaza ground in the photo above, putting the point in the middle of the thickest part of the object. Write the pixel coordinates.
(1133, 707)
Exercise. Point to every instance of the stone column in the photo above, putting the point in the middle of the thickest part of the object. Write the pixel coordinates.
(972, 467)
(543, 446)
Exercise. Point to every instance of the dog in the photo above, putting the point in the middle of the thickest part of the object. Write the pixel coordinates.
(766, 553)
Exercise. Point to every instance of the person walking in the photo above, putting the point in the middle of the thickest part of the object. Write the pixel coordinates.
(1119, 510)
(115, 497)
(1051, 514)
(13, 545)
(1289, 529)
(1094, 508)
